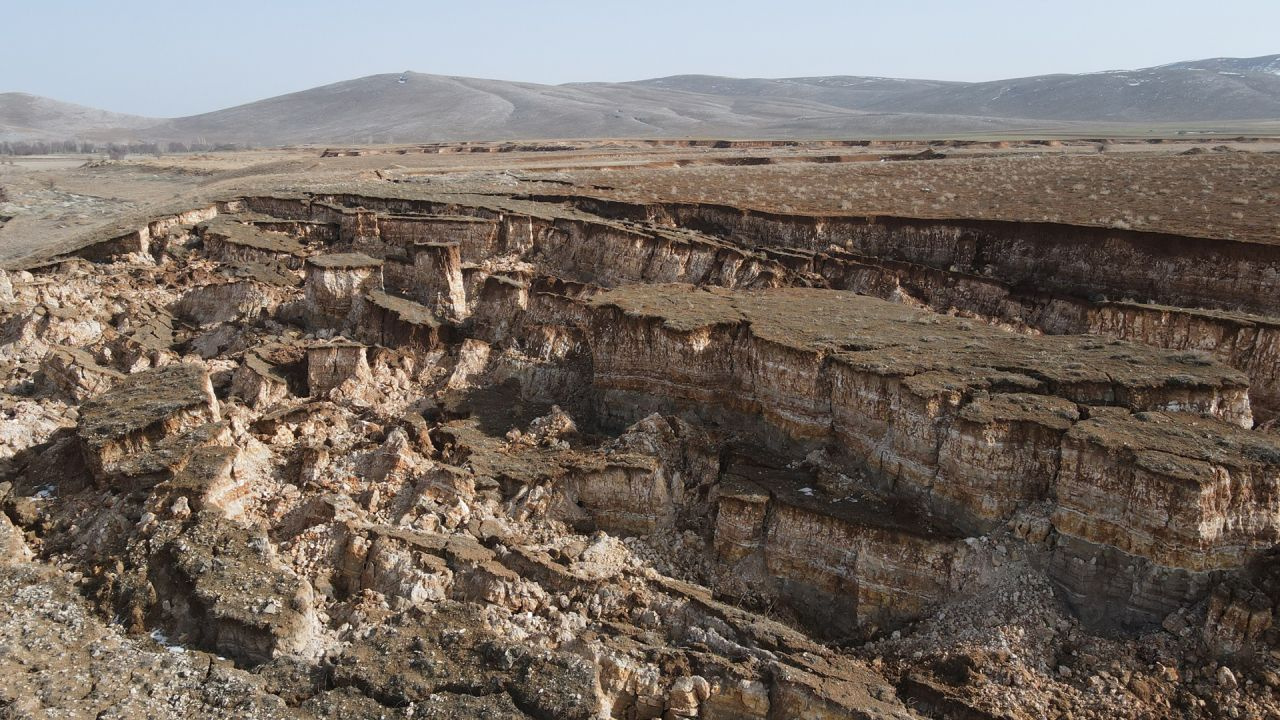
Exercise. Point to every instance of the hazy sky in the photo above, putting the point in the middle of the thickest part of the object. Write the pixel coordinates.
(169, 57)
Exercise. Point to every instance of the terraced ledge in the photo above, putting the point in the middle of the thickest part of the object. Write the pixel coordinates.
(1140, 450)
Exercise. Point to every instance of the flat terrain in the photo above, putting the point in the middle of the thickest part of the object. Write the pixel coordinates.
(1217, 194)
(1202, 188)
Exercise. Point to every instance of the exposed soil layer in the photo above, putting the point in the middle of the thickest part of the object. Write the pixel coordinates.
(377, 450)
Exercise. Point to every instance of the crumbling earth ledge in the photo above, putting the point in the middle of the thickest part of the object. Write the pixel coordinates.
(943, 263)
(533, 457)
(976, 423)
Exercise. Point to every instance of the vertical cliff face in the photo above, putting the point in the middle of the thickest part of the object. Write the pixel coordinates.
(436, 278)
(1001, 452)
(847, 565)
(475, 235)
(1170, 269)
(336, 287)
(972, 422)
(612, 254)
(1171, 496)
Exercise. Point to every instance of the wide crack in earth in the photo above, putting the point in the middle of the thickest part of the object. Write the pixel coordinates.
(398, 455)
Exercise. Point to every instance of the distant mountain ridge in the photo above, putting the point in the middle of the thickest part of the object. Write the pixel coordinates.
(415, 107)
(1263, 64)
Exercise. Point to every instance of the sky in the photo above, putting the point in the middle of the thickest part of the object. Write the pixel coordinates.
(169, 58)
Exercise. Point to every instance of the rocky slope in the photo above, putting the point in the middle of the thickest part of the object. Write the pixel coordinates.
(396, 454)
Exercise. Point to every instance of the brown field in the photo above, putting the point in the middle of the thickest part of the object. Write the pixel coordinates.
(1231, 194)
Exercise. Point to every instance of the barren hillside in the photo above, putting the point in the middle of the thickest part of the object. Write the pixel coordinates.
(417, 107)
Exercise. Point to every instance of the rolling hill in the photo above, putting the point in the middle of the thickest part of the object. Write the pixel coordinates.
(413, 107)
(31, 117)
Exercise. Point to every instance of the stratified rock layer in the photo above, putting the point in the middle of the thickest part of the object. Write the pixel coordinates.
(974, 422)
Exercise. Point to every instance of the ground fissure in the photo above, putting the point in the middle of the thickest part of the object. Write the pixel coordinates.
(554, 456)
